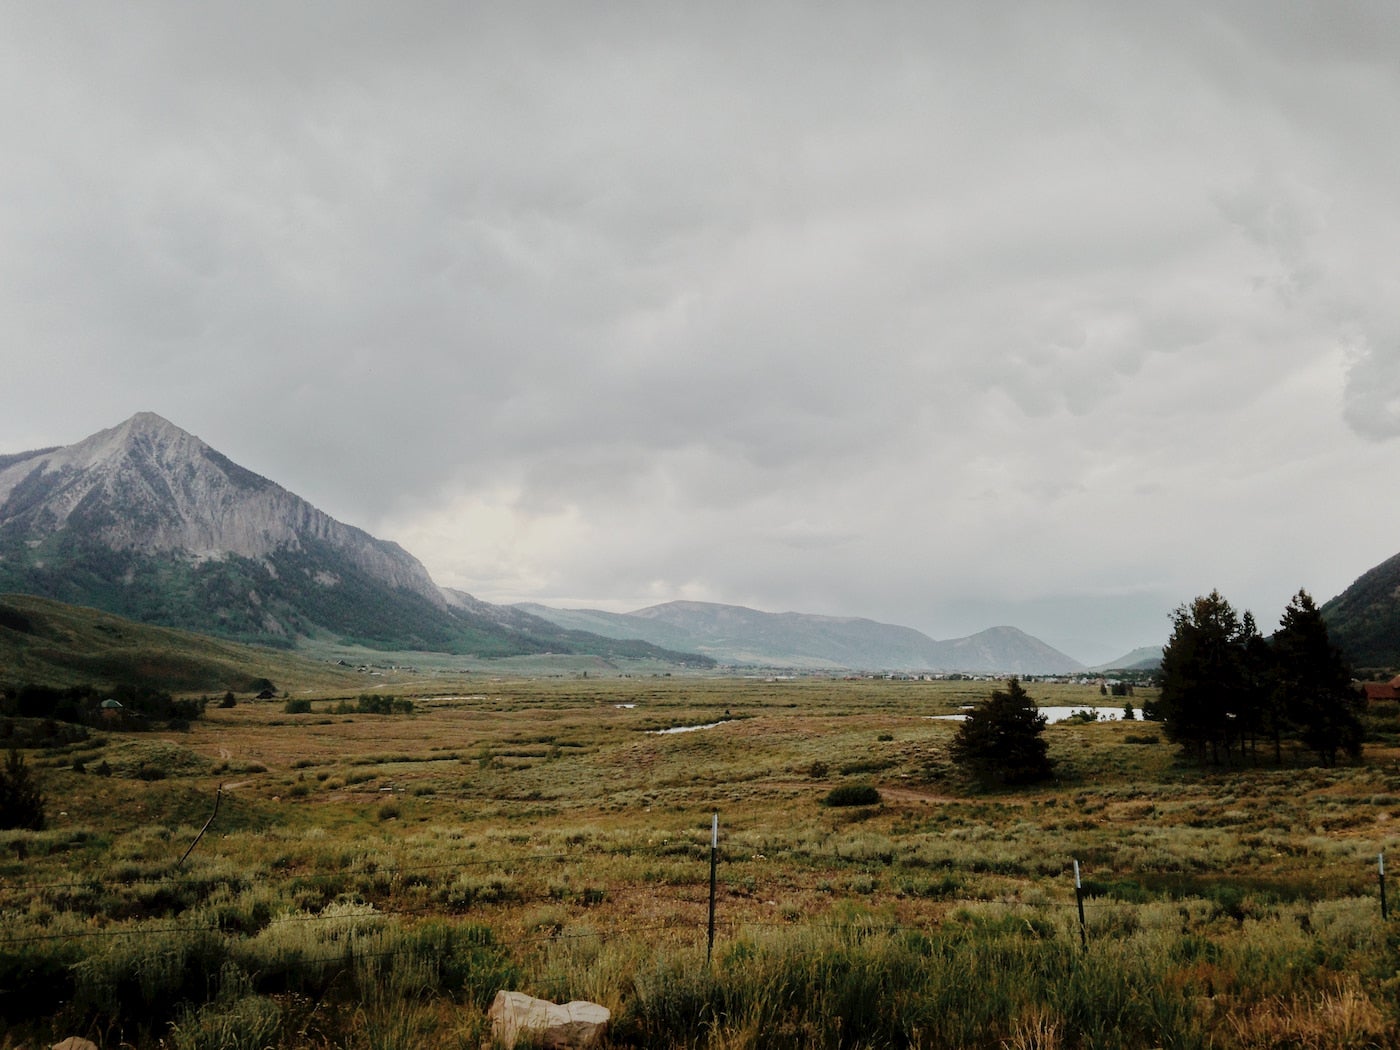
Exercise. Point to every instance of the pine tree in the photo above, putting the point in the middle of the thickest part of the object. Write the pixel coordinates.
(1212, 699)
(1312, 683)
(1002, 739)
(21, 804)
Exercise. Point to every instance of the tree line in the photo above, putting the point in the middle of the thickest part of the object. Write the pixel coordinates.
(83, 704)
(1227, 692)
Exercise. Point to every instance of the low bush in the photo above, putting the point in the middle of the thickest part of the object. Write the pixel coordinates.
(852, 795)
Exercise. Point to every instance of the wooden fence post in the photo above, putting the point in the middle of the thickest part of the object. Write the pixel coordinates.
(1380, 875)
(1079, 900)
(714, 872)
(218, 794)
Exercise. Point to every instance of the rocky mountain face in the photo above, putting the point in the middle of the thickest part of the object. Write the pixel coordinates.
(733, 634)
(147, 521)
(147, 486)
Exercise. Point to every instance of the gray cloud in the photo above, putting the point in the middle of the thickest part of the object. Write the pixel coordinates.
(1373, 388)
(916, 311)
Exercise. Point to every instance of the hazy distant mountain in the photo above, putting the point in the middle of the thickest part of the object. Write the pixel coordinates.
(1364, 620)
(147, 521)
(1146, 658)
(736, 635)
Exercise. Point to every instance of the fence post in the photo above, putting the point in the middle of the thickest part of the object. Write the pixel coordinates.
(1079, 900)
(1380, 875)
(218, 794)
(714, 873)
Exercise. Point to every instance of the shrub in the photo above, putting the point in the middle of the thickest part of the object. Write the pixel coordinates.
(297, 706)
(852, 795)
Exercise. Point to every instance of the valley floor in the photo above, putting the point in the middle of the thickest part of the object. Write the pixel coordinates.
(373, 880)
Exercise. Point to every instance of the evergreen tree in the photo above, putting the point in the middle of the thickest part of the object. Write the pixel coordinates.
(1002, 739)
(1209, 702)
(1257, 712)
(1312, 684)
(21, 804)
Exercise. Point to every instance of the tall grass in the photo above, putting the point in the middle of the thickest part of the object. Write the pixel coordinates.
(540, 839)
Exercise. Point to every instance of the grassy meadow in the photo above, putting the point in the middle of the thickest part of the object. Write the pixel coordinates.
(372, 880)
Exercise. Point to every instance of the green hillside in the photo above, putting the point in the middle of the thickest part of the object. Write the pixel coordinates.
(1364, 620)
(45, 642)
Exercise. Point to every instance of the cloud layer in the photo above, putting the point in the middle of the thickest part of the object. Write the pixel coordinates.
(943, 315)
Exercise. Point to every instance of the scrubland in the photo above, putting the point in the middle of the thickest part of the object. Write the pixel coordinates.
(372, 880)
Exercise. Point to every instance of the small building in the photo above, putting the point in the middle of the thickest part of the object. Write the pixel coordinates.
(1381, 690)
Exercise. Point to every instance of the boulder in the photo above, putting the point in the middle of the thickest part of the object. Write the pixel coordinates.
(515, 1015)
(75, 1042)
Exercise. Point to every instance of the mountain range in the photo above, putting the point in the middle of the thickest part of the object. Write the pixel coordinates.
(732, 634)
(146, 521)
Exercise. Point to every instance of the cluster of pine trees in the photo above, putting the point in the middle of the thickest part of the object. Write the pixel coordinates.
(1226, 689)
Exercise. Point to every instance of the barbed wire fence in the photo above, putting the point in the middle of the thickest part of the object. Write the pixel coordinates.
(395, 883)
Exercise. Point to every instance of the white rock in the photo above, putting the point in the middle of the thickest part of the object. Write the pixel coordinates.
(515, 1015)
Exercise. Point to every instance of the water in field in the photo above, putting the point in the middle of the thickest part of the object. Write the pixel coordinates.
(1061, 714)
(688, 729)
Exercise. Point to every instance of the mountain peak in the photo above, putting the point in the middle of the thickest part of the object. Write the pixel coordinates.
(147, 421)
(144, 434)
(150, 425)
(149, 487)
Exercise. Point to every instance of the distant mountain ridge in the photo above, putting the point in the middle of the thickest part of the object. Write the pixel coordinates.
(146, 521)
(1144, 658)
(734, 634)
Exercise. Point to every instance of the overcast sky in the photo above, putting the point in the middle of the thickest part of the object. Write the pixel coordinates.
(946, 315)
